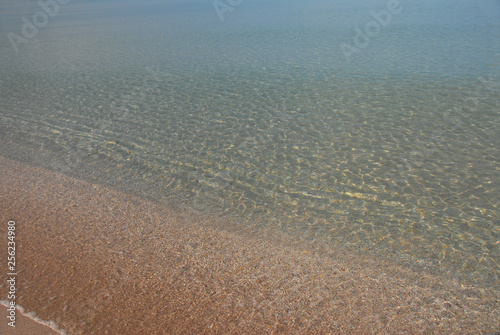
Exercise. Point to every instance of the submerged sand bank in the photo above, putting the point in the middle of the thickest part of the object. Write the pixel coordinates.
(97, 260)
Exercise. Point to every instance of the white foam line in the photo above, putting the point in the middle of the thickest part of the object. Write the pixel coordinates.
(32, 316)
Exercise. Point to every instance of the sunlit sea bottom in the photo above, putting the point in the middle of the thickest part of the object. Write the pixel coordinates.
(401, 168)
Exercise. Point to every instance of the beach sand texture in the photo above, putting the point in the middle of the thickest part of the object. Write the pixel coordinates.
(24, 325)
(99, 261)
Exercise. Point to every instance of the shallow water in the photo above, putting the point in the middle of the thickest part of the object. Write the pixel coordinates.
(394, 150)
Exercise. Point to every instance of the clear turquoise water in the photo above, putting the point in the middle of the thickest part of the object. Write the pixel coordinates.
(394, 151)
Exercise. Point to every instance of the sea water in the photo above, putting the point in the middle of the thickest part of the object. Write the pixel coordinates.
(372, 124)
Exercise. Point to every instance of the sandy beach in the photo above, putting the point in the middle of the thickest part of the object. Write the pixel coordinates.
(25, 324)
(99, 261)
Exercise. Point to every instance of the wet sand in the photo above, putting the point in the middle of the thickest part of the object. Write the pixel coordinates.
(24, 325)
(96, 260)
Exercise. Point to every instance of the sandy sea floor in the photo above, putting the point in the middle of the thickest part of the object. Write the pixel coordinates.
(98, 261)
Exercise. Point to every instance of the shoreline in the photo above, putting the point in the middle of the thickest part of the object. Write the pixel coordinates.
(27, 324)
(96, 259)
